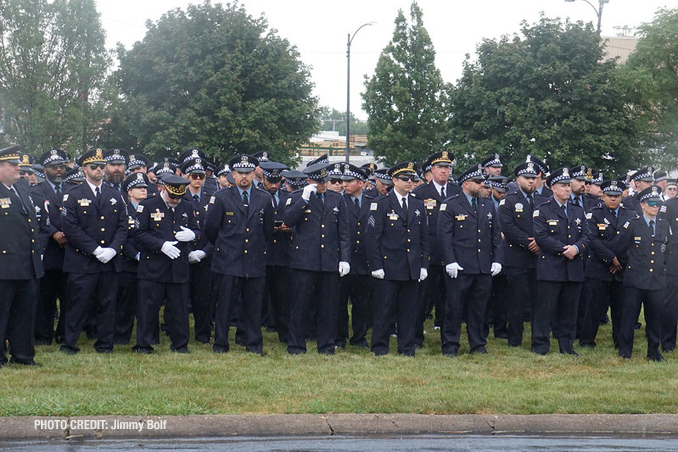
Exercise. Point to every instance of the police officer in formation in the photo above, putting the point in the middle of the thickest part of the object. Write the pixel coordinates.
(313, 251)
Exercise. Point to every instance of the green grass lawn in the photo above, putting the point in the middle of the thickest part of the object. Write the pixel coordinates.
(511, 381)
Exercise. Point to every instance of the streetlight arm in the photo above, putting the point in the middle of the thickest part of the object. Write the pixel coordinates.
(348, 87)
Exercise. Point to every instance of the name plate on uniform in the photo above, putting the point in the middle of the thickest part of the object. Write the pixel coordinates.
(84, 202)
(602, 226)
(461, 217)
(552, 222)
(157, 215)
(229, 214)
(392, 216)
(5, 203)
(430, 203)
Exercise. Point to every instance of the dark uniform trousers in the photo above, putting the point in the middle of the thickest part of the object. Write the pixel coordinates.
(644, 283)
(320, 240)
(398, 244)
(92, 285)
(278, 285)
(356, 287)
(161, 278)
(602, 295)
(669, 212)
(515, 216)
(52, 285)
(471, 239)
(239, 234)
(559, 280)
(20, 268)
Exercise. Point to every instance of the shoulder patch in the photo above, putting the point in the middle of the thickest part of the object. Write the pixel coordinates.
(66, 197)
(662, 209)
(140, 208)
(626, 225)
(213, 199)
(589, 216)
(443, 207)
(535, 214)
(502, 202)
(374, 206)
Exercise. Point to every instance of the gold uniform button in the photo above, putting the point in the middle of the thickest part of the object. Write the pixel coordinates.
(103, 241)
(652, 253)
(357, 242)
(245, 251)
(103, 229)
(247, 240)
(650, 270)
(408, 250)
(275, 241)
(358, 233)
(652, 262)
(29, 220)
(322, 236)
(102, 218)
(478, 230)
(322, 246)
(32, 241)
(247, 230)
(479, 250)
(322, 225)
(408, 240)
(478, 240)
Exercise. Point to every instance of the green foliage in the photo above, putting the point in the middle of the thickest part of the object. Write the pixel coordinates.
(406, 97)
(653, 68)
(52, 64)
(547, 93)
(216, 78)
(334, 118)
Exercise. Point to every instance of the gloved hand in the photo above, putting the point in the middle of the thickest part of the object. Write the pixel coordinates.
(453, 269)
(97, 251)
(379, 274)
(185, 235)
(495, 269)
(106, 254)
(196, 256)
(423, 274)
(344, 268)
(308, 190)
(170, 250)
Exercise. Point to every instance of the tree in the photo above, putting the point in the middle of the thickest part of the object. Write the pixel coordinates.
(653, 67)
(333, 119)
(405, 99)
(216, 78)
(548, 93)
(53, 62)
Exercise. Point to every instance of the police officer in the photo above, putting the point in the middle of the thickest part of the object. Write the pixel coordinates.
(669, 213)
(357, 285)
(239, 220)
(48, 196)
(383, 183)
(194, 168)
(138, 163)
(20, 263)
(320, 254)
(116, 164)
(468, 233)
(582, 177)
(95, 222)
(433, 195)
(492, 165)
(604, 267)
(640, 180)
(278, 272)
(541, 189)
(560, 232)
(520, 249)
(645, 237)
(165, 227)
(398, 253)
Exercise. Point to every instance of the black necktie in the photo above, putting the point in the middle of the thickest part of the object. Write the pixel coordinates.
(652, 228)
(357, 204)
(57, 191)
(405, 213)
(564, 209)
(16, 193)
(97, 193)
(245, 199)
(530, 201)
(275, 201)
(575, 201)
(474, 202)
(442, 192)
(614, 213)
(321, 197)
(196, 198)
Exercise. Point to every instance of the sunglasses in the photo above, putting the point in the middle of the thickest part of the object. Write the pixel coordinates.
(197, 176)
(478, 181)
(335, 181)
(408, 178)
(273, 180)
(653, 203)
(95, 166)
(587, 183)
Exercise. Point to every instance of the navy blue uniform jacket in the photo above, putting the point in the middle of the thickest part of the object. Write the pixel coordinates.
(89, 224)
(430, 195)
(397, 245)
(20, 244)
(646, 266)
(552, 231)
(320, 235)
(239, 235)
(604, 232)
(669, 212)
(50, 207)
(515, 217)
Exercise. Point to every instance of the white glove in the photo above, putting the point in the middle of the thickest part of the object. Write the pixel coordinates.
(106, 254)
(138, 257)
(496, 268)
(344, 268)
(170, 250)
(379, 274)
(185, 235)
(423, 274)
(97, 251)
(196, 256)
(453, 269)
(306, 194)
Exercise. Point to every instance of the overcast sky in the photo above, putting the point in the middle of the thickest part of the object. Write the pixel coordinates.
(320, 29)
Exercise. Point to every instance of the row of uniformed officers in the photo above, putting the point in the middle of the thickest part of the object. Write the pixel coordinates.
(115, 249)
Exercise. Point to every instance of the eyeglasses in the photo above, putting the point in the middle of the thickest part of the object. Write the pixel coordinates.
(335, 181)
(587, 183)
(672, 188)
(408, 178)
(478, 181)
(95, 166)
(653, 203)
(197, 176)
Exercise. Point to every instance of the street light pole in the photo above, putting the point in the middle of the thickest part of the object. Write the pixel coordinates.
(348, 87)
(599, 10)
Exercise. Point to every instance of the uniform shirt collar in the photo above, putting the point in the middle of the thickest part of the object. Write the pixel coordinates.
(94, 187)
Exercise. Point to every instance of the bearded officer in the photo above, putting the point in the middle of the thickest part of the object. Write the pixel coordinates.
(20, 263)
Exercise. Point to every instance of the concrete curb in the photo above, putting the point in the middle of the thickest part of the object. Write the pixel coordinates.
(198, 426)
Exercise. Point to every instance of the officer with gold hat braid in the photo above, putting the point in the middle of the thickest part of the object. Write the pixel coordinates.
(20, 264)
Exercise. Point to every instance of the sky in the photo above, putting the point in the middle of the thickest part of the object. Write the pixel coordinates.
(319, 29)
